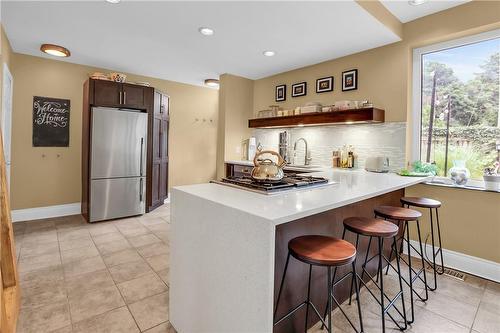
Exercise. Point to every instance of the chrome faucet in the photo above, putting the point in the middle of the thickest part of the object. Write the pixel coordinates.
(307, 157)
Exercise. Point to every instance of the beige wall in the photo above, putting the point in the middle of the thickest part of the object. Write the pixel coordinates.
(470, 218)
(384, 72)
(235, 108)
(51, 176)
(5, 56)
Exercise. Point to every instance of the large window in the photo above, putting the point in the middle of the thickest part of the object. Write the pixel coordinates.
(457, 118)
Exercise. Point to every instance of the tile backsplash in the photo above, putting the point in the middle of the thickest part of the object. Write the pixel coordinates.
(385, 139)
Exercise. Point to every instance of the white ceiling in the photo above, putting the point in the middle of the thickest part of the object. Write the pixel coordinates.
(406, 12)
(161, 39)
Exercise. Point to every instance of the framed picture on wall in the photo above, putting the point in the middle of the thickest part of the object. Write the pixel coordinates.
(299, 89)
(350, 80)
(324, 84)
(280, 93)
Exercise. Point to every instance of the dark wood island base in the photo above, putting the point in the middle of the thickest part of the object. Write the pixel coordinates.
(328, 223)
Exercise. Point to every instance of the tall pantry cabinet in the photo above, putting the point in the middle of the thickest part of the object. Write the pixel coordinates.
(160, 122)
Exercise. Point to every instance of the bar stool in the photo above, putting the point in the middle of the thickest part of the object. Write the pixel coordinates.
(380, 229)
(406, 215)
(323, 251)
(430, 204)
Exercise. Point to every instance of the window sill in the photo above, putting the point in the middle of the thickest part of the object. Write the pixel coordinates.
(473, 185)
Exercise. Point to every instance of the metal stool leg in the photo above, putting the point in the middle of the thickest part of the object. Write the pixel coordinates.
(329, 304)
(410, 271)
(393, 250)
(356, 287)
(308, 298)
(423, 262)
(434, 268)
(440, 245)
(350, 291)
(379, 272)
(400, 285)
(366, 258)
(333, 280)
(281, 286)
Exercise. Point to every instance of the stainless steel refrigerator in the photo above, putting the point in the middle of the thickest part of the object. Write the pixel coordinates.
(118, 163)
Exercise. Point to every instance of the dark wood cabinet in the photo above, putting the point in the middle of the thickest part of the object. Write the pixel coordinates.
(132, 95)
(159, 139)
(115, 94)
(125, 95)
(106, 93)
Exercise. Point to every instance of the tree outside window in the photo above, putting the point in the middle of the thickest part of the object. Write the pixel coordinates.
(460, 107)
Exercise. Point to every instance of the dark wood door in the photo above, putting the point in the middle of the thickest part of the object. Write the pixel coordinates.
(155, 194)
(133, 96)
(107, 93)
(164, 150)
(159, 138)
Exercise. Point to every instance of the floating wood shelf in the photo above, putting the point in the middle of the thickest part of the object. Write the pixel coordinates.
(366, 115)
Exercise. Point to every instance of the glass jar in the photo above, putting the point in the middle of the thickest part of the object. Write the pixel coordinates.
(459, 173)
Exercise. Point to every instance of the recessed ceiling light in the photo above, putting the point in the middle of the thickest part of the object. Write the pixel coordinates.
(113, 1)
(206, 31)
(55, 50)
(268, 53)
(214, 83)
(416, 2)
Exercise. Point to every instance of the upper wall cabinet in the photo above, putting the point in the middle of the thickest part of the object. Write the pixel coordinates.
(115, 94)
(106, 93)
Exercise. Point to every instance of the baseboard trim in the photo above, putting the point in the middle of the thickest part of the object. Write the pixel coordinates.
(167, 200)
(37, 213)
(463, 262)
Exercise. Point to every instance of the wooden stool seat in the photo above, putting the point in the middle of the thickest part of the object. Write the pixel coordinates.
(420, 202)
(322, 250)
(371, 227)
(397, 213)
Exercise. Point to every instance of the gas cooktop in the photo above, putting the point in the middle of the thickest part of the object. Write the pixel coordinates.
(289, 182)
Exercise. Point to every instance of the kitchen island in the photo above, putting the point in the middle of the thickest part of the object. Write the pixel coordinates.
(228, 248)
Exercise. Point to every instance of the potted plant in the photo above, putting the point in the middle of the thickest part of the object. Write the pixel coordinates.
(492, 178)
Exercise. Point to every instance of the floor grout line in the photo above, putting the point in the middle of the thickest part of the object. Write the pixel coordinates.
(64, 283)
(477, 310)
(116, 286)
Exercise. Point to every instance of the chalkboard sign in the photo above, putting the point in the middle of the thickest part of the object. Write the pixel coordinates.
(50, 122)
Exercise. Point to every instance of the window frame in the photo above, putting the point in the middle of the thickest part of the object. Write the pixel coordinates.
(417, 78)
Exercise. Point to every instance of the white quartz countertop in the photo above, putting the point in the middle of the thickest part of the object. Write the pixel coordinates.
(350, 186)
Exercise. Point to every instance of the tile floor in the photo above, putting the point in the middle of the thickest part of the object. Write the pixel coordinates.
(470, 306)
(104, 277)
(113, 277)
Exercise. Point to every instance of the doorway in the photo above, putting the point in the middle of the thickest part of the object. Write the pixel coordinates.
(7, 118)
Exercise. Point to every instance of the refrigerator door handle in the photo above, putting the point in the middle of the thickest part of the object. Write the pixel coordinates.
(140, 189)
(141, 156)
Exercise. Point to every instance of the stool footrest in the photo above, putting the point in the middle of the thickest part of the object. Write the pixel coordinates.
(298, 307)
(351, 274)
(391, 301)
(417, 276)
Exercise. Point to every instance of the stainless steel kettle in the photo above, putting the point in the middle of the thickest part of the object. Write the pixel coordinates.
(267, 171)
